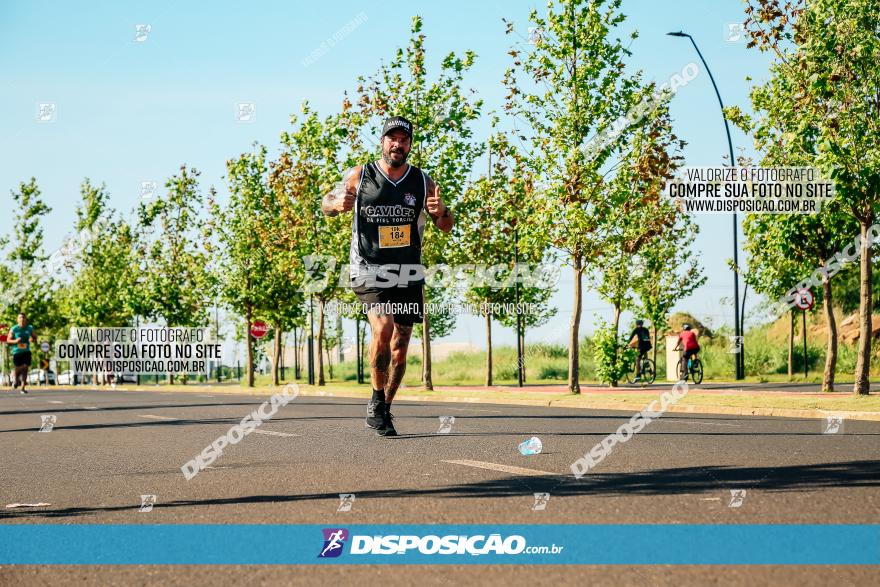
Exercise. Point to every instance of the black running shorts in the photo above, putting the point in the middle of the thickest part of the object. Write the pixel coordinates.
(404, 303)
(21, 359)
(691, 353)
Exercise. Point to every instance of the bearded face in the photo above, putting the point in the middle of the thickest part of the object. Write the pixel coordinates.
(395, 148)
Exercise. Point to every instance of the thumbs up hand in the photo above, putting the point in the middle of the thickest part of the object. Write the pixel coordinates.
(436, 207)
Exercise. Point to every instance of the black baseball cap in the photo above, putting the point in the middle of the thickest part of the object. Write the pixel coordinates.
(397, 122)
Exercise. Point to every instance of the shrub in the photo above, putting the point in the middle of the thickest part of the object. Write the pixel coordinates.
(611, 355)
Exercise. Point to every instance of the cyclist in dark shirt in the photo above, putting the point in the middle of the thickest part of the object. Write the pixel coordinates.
(640, 339)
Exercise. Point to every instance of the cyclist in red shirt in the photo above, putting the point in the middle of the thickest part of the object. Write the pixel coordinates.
(687, 339)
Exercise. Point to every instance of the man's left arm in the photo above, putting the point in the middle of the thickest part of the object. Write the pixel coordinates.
(437, 210)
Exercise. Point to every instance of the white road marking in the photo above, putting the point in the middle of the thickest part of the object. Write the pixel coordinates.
(152, 417)
(53, 401)
(699, 423)
(273, 433)
(474, 410)
(91, 408)
(27, 505)
(710, 499)
(501, 468)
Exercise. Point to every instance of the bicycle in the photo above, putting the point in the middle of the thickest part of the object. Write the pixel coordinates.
(695, 371)
(648, 372)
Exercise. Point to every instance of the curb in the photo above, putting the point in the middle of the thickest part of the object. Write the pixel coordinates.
(632, 407)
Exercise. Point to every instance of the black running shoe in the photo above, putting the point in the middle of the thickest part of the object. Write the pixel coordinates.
(23, 390)
(375, 415)
(387, 428)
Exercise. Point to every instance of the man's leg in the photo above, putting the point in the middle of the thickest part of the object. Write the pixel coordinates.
(21, 373)
(382, 326)
(380, 348)
(399, 347)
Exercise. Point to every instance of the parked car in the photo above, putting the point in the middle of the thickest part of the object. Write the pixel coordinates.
(120, 378)
(69, 378)
(42, 377)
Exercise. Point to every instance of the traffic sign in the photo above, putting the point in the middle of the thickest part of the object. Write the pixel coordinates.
(259, 329)
(804, 299)
(44, 346)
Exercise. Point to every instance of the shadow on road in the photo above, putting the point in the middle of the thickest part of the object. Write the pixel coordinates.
(687, 480)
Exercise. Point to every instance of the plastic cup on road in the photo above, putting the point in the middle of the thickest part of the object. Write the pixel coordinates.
(532, 446)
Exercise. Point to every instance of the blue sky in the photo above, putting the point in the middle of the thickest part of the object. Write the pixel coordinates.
(128, 112)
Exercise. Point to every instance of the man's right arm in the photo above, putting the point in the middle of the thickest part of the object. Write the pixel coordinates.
(341, 199)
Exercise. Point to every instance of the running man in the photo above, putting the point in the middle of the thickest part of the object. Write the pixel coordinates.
(687, 340)
(391, 201)
(21, 335)
(640, 339)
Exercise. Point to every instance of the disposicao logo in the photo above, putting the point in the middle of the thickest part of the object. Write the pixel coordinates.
(334, 540)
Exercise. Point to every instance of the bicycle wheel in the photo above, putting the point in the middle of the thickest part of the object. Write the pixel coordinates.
(631, 374)
(697, 371)
(682, 369)
(649, 373)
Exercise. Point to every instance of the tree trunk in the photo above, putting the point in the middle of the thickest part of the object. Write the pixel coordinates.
(654, 328)
(296, 352)
(249, 367)
(340, 353)
(616, 326)
(330, 362)
(321, 342)
(574, 385)
(276, 351)
(863, 362)
(791, 345)
(488, 348)
(831, 354)
(426, 349)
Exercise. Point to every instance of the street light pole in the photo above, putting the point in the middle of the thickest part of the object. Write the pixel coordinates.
(739, 358)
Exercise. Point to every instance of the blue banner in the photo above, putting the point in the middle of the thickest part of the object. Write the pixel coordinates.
(644, 544)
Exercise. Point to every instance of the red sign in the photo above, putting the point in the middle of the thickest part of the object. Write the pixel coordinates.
(804, 299)
(3, 329)
(259, 329)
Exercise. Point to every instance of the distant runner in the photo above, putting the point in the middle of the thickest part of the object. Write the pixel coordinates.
(20, 336)
(391, 200)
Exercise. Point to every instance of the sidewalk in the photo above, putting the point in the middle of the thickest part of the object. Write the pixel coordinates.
(772, 400)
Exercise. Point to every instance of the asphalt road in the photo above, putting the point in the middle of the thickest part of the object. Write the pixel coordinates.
(107, 448)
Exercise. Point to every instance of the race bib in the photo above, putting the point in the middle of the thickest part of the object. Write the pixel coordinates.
(391, 237)
(22, 345)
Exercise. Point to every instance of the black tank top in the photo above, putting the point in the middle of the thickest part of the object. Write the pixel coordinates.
(389, 220)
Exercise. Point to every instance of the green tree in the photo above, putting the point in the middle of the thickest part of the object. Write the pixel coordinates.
(313, 244)
(243, 270)
(177, 285)
(822, 99)
(666, 272)
(487, 217)
(26, 287)
(640, 214)
(103, 266)
(578, 87)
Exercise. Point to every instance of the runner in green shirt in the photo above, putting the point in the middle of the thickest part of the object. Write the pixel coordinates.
(20, 337)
